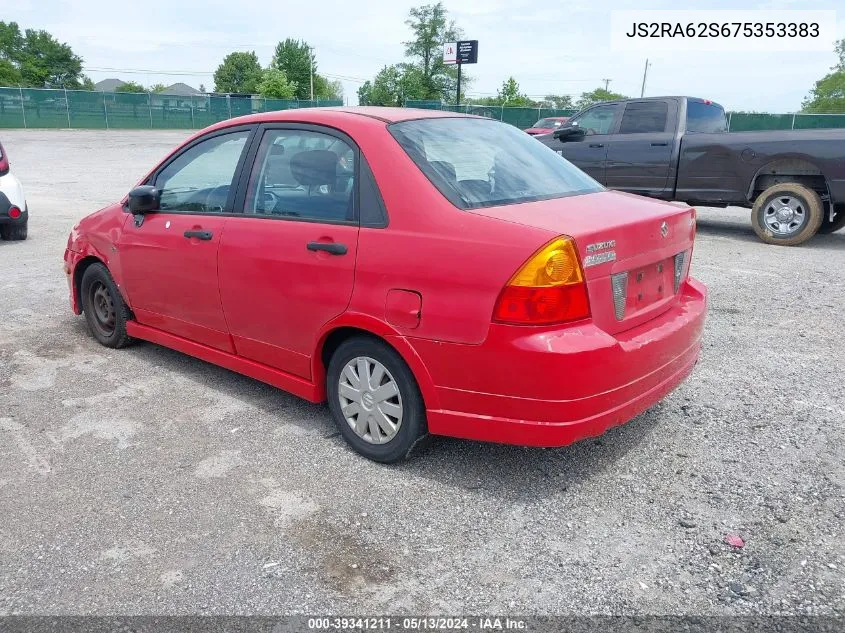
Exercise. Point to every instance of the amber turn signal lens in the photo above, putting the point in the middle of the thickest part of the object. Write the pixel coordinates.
(549, 288)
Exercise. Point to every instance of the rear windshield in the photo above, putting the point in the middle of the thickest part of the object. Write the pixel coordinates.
(548, 124)
(705, 117)
(482, 163)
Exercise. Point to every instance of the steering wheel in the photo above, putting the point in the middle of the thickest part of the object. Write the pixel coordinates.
(215, 205)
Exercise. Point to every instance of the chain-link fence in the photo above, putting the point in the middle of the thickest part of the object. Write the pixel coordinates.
(43, 108)
(520, 117)
(737, 121)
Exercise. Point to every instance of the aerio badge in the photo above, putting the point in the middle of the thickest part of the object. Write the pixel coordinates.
(594, 259)
(664, 229)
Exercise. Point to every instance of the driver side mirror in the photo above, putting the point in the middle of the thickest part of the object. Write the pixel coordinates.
(144, 199)
(569, 132)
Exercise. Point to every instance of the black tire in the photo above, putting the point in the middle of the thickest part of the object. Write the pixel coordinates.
(14, 232)
(831, 226)
(412, 427)
(812, 210)
(106, 313)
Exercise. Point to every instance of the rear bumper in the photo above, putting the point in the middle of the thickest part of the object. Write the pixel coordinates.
(552, 388)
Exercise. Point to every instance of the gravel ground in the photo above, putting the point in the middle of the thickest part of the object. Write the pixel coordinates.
(143, 481)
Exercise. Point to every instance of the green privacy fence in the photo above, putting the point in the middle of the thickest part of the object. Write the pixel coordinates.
(737, 121)
(752, 121)
(43, 108)
(520, 117)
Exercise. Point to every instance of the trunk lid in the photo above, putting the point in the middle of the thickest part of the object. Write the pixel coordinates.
(627, 246)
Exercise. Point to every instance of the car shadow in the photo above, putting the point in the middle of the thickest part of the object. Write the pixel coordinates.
(501, 471)
(516, 473)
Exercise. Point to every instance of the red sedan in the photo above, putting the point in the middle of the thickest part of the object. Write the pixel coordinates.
(547, 125)
(424, 272)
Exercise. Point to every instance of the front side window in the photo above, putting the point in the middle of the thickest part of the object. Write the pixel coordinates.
(200, 179)
(302, 174)
(597, 120)
(482, 163)
(644, 116)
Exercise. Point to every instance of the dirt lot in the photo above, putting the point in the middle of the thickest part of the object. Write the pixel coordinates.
(143, 481)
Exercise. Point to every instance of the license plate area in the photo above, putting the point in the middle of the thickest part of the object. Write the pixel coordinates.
(649, 285)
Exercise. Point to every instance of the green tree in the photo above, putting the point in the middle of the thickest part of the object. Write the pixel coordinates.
(431, 28)
(326, 90)
(46, 62)
(238, 72)
(130, 86)
(87, 83)
(510, 96)
(40, 60)
(294, 58)
(157, 88)
(828, 93)
(11, 42)
(364, 93)
(9, 74)
(599, 94)
(560, 102)
(392, 86)
(274, 84)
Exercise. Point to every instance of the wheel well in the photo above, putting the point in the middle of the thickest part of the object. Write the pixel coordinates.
(336, 338)
(797, 170)
(78, 272)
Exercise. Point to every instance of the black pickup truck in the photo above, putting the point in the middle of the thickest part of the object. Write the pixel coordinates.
(678, 148)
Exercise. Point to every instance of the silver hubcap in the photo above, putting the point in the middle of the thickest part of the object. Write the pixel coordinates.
(370, 400)
(784, 215)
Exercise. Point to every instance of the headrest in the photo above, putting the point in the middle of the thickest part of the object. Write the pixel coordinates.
(315, 167)
(277, 150)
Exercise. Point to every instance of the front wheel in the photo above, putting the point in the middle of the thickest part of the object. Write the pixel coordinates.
(374, 400)
(105, 310)
(787, 214)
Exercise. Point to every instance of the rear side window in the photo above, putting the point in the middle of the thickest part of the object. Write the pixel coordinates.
(705, 117)
(483, 163)
(644, 116)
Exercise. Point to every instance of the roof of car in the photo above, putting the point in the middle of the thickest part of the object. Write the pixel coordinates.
(388, 115)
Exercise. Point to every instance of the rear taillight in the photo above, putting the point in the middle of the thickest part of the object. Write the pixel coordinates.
(4, 162)
(14, 212)
(549, 288)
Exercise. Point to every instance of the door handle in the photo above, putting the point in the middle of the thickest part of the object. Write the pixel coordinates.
(330, 247)
(596, 144)
(664, 144)
(201, 235)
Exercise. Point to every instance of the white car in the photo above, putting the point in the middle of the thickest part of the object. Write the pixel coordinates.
(14, 215)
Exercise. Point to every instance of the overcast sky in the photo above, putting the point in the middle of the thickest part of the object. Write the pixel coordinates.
(560, 47)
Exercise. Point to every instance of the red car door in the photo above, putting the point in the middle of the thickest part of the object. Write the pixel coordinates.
(169, 257)
(287, 265)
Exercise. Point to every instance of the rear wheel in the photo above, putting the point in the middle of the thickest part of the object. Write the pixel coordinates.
(831, 226)
(13, 232)
(105, 310)
(787, 214)
(374, 400)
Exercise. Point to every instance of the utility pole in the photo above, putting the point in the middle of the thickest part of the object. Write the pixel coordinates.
(606, 83)
(311, 57)
(645, 74)
(458, 96)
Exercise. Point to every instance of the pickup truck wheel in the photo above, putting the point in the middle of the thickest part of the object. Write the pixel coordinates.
(787, 214)
(831, 226)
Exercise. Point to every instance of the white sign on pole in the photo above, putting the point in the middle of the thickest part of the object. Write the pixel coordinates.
(450, 53)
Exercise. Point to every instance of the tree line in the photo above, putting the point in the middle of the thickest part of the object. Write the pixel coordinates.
(35, 58)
